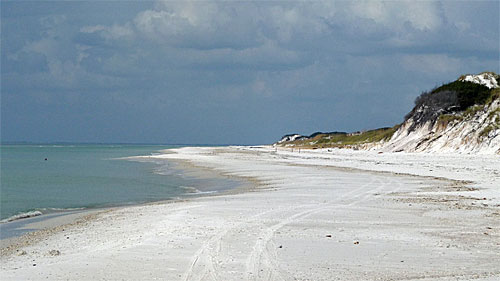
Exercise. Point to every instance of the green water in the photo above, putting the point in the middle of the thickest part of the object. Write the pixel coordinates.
(84, 176)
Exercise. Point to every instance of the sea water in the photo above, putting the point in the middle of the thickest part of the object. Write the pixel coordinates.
(39, 179)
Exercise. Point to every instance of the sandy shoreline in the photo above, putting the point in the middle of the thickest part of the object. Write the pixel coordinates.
(30, 230)
(14, 231)
(308, 220)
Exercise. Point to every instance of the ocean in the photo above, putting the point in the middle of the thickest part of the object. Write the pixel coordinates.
(41, 179)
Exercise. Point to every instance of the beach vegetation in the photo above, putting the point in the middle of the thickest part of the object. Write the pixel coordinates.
(457, 96)
(447, 104)
(341, 139)
(446, 119)
(486, 131)
(494, 113)
(472, 110)
(494, 95)
(466, 93)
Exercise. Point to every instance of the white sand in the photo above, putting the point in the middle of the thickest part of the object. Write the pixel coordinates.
(306, 220)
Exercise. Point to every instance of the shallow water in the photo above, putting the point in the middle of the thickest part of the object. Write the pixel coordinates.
(89, 176)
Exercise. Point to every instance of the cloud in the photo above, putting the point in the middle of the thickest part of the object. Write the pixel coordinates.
(200, 25)
(431, 63)
(114, 32)
(421, 15)
(258, 36)
(304, 65)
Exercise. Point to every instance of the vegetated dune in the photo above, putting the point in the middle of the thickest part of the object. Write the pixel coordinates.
(462, 116)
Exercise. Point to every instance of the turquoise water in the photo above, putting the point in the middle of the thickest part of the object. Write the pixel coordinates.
(86, 176)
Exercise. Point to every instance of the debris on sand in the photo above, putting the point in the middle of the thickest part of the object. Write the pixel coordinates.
(54, 253)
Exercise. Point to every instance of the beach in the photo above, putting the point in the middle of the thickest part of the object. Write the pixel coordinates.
(325, 214)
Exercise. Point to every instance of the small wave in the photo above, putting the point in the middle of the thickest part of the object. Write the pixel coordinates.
(51, 210)
(190, 189)
(207, 192)
(163, 172)
(194, 191)
(151, 157)
(38, 212)
(22, 216)
(130, 158)
(54, 145)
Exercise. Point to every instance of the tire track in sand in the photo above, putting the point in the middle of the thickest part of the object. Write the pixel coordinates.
(262, 263)
(204, 265)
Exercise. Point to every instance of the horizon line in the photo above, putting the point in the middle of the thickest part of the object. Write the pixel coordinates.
(116, 143)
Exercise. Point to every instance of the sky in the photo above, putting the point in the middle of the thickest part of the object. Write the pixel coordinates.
(229, 72)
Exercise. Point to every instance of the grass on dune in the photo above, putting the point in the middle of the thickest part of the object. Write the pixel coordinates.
(345, 139)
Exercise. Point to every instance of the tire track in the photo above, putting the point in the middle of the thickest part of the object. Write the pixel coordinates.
(204, 265)
(262, 263)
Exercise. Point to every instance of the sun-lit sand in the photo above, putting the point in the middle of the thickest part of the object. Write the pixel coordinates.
(309, 215)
